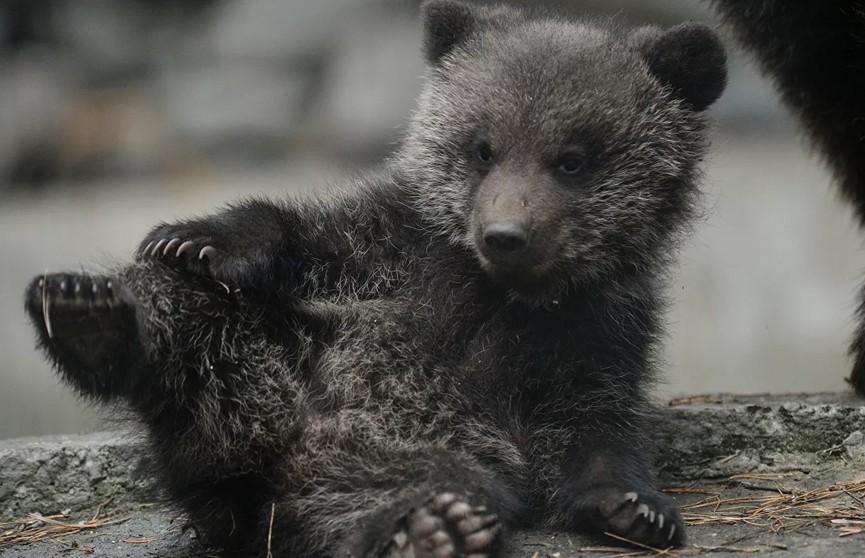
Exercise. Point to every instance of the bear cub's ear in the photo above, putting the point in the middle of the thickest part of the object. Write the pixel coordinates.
(690, 59)
(446, 24)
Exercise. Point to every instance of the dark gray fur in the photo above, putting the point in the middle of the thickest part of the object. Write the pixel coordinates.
(455, 346)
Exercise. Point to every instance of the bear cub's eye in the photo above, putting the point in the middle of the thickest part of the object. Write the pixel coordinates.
(571, 164)
(484, 153)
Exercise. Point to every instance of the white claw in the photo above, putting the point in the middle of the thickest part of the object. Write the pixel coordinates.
(206, 252)
(183, 248)
(63, 286)
(148, 248)
(158, 247)
(631, 496)
(651, 516)
(170, 246)
(672, 532)
(643, 510)
(95, 289)
(660, 521)
(77, 288)
(46, 309)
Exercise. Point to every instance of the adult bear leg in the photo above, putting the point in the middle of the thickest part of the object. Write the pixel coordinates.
(813, 52)
(857, 350)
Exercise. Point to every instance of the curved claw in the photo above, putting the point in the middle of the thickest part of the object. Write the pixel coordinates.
(170, 246)
(207, 252)
(185, 247)
(147, 248)
(158, 247)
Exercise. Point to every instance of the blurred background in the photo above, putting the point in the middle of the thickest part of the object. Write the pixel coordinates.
(116, 114)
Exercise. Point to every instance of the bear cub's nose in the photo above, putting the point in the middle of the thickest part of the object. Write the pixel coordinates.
(506, 238)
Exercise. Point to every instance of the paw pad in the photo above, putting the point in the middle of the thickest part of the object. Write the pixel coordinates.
(447, 526)
(87, 325)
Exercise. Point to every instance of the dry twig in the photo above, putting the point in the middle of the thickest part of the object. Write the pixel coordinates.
(657, 551)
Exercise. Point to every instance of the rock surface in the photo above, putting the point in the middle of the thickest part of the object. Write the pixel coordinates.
(769, 445)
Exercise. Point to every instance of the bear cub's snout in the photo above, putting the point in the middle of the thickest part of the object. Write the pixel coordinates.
(505, 240)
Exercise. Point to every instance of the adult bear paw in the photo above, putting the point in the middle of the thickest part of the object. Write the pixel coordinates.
(447, 526)
(646, 517)
(200, 251)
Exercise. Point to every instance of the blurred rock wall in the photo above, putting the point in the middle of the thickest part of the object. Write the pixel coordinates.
(118, 88)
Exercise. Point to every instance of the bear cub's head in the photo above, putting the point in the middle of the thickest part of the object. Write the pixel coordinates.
(560, 152)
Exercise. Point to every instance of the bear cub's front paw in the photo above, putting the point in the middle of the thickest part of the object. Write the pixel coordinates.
(646, 517)
(200, 252)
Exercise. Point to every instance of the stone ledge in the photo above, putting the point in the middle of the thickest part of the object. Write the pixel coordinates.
(722, 435)
(53, 473)
(705, 438)
(814, 440)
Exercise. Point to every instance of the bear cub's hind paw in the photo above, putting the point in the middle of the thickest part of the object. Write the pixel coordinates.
(86, 324)
(447, 527)
(65, 304)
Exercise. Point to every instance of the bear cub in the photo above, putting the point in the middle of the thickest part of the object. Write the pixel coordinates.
(453, 347)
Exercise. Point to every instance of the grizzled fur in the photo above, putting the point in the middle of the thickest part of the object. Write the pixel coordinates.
(455, 346)
(815, 52)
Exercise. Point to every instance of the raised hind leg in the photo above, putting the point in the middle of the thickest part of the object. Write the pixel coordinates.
(221, 400)
(187, 355)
